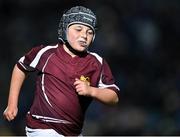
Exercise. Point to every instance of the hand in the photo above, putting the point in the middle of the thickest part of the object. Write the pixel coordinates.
(10, 113)
(82, 87)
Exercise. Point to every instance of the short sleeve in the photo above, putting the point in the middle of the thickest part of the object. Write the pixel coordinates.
(107, 80)
(24, 63)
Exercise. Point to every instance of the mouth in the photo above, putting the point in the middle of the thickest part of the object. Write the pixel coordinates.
(83, 43)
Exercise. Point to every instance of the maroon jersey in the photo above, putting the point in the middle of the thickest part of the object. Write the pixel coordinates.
(56, 104)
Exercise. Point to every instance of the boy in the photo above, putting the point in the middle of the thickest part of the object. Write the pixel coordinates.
(68, 78)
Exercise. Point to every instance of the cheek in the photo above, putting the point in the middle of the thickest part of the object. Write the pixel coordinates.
(71, 37)
(90, 39)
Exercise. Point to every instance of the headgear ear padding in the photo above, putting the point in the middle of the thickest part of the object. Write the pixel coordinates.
(76, 15)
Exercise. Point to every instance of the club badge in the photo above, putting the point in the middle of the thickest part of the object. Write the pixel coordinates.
(86, 79)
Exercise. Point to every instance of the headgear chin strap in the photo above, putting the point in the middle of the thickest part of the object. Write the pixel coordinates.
(76, 15)
(79, 53)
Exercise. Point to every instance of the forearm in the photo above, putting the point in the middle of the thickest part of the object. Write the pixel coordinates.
(17, 80)
(106, 96)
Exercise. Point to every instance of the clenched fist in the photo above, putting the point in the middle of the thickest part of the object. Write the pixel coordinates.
(10, 113)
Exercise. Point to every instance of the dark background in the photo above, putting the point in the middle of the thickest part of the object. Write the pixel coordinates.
(138, 38)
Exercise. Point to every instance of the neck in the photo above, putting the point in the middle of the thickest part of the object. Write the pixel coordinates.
(68, 51)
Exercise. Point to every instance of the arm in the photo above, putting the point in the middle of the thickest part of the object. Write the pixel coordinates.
(104, 95)
(17, 80)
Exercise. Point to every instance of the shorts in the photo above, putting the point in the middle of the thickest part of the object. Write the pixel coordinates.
(42, 133)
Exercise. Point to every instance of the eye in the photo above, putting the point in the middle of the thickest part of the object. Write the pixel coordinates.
(78, 28)
(90, 32)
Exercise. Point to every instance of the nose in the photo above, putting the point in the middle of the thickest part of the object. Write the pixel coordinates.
(83, 34)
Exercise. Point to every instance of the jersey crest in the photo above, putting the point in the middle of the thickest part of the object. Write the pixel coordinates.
(85, 79)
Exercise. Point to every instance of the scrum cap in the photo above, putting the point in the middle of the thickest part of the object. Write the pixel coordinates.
(77, 14)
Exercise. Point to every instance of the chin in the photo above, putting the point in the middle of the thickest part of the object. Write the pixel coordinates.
(82, 49)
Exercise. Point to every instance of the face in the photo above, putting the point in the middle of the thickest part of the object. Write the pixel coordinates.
(79, 36)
